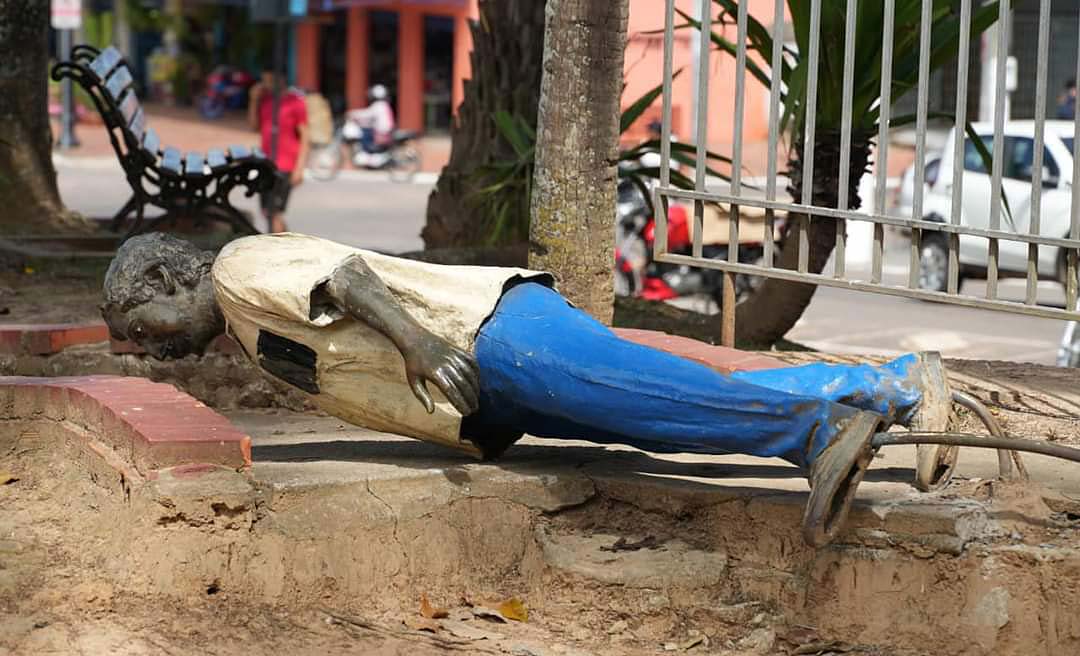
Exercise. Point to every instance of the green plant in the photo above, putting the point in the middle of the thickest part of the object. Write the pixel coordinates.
(505, 188)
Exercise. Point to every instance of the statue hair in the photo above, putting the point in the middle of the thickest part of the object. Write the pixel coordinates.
(126, 282)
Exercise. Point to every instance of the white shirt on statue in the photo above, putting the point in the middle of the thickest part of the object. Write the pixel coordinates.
(268, 289)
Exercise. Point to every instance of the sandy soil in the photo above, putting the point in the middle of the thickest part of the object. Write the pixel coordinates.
(56, 295)
(54, 601)
(58, 534)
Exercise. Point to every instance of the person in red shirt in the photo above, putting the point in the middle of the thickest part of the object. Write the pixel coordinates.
(292, 146)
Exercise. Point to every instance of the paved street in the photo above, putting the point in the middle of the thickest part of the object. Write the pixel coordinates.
(365, 209)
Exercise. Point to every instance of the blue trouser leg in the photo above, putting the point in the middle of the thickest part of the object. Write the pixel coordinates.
(552, 371)
(888, 390)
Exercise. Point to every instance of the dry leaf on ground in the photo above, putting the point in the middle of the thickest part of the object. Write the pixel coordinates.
(7, 477)
(514, 609)
(429, 611)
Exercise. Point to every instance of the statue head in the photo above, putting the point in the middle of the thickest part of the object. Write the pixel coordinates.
(158, 293)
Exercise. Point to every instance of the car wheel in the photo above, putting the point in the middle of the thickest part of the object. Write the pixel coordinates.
(934, 264)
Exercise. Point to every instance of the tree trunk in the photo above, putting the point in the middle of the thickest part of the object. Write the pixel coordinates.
(572, 232)
(28, 190)
(765, 316)
(508, 48)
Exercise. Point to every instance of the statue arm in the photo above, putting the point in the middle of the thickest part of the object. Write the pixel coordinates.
(357, 290)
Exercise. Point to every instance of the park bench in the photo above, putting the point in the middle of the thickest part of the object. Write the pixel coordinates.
(190, 184)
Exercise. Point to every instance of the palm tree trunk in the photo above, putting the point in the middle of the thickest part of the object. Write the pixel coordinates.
(508, 50)
(765, 316)
(577, 148)
(28, 191)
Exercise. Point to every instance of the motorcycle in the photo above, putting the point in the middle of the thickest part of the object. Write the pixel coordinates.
(226, 88)
(400, 158)
(638, 274)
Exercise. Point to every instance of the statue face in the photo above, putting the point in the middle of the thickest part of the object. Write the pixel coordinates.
(176, 322)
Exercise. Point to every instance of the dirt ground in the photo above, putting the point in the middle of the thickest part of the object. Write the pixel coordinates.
(58, 532)
(54, 294)
(53, 599)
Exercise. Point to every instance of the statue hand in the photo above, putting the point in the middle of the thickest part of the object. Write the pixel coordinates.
(453, 371)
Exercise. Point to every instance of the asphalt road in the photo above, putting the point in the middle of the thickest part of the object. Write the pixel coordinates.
(367, 210)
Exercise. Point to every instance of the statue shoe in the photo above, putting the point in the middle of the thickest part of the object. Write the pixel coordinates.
(934, 463)
(834, 476)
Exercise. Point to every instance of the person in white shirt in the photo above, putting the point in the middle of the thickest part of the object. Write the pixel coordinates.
(376, 121)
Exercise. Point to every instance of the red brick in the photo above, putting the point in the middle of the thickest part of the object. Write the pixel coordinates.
(46, 339)
(150, 425)
(724, 360)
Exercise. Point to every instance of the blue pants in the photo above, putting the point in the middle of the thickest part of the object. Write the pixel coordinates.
(367, 139)
(551, 370)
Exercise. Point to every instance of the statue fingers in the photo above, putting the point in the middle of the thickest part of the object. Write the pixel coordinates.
(451, 392)
(470, 360)
(464, 384)
(466, 366)
(419, 388)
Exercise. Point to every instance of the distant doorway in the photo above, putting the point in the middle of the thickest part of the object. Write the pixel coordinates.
(438, 72)
(333, 43)
(383, 61)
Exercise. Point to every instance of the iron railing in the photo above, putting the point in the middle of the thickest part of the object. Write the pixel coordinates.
(917, 224)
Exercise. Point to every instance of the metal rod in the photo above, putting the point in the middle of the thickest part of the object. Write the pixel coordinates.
(67, 97)
(884, 117)
(661, 206)
(925, 48)
(727, 307)
(1041, 69)
(840, 258)
(962, 66)
(1074, 223)
(279, 63)
(977, 441)
(774, 128)
(727, 320)
(702, 114)
(1002, 54)
(809, 133)
(876, 218)
(861, 286)
(992, 425)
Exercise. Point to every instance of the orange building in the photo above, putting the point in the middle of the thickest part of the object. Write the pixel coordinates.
(420, 50)
(644, 71)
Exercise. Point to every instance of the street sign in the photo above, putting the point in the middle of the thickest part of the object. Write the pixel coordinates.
(66, 14)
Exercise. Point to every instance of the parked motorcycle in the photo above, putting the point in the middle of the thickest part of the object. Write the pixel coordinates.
(226, 88)
(400, 158)
(638, 274)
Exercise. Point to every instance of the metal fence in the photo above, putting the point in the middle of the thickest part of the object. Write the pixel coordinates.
(951, 226)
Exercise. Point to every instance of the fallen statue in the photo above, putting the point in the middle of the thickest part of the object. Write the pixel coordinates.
(475, 357)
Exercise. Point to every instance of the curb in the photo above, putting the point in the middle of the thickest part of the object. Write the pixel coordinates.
(348, 175)
(148, 425)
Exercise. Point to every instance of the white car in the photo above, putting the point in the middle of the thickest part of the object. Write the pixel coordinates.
(1016, 187)
(904, 202)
